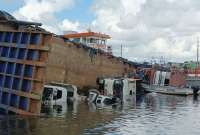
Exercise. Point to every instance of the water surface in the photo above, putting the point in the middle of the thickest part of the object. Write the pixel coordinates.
(152, 114)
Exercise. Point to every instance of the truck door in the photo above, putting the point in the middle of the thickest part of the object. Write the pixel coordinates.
(47, 94)
(57, 95)
(118, 89)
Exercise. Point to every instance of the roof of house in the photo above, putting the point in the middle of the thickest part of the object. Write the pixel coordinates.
(87, 34)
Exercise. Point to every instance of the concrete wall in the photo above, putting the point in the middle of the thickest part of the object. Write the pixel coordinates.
(69, 63)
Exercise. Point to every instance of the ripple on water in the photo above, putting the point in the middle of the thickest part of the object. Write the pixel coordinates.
(152, 114)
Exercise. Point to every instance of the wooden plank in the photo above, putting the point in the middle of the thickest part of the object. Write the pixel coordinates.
(27, 62)
(32, 46)
(17, 111)
(22, 77)
(21, 93)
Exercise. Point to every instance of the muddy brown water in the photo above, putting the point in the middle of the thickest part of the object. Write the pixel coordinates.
(151, 114)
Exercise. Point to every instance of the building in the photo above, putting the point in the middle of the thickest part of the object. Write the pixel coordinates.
(91, 39)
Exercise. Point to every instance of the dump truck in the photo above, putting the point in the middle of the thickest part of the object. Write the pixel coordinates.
(113, 90)
(56, 97)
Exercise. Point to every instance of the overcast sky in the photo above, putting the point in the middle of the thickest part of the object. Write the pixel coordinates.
(147, 29)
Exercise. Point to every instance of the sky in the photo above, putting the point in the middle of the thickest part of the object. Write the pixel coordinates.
(147, 29)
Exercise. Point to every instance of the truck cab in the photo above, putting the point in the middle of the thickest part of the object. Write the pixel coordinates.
(54, 100)
(57, 96)
(54, 95)
(72, 91)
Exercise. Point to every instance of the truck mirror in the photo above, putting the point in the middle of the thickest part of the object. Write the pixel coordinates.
(54, 93)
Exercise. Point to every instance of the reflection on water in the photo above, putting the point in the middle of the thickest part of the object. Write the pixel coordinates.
(150, 114)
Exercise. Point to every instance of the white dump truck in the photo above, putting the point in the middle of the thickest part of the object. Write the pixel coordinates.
(113, 90)
(57, 96)
(72, 91)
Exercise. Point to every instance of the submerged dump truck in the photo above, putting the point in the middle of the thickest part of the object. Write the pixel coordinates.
(57, 96)
(113, 90)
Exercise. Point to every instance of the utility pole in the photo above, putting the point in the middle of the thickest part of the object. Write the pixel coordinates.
(197, 52)
(121, 50)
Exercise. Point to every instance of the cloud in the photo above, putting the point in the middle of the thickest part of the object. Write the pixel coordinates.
(69, 25)
(146, 28)
(45, 11)
(165, 28)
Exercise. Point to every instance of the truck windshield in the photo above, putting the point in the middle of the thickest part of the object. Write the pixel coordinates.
(47, 94)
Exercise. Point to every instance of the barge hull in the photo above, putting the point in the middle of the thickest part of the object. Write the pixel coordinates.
(31, 57)
(23, 57)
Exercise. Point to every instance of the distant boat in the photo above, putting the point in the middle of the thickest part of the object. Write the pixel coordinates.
(171, 83)
(169, 90)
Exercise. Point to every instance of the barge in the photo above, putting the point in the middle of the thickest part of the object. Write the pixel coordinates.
(31, 57)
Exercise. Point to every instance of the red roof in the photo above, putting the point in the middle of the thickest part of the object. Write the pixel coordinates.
(86, 34)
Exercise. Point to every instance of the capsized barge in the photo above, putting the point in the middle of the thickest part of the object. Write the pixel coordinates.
(31, 57)
(24, 48)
